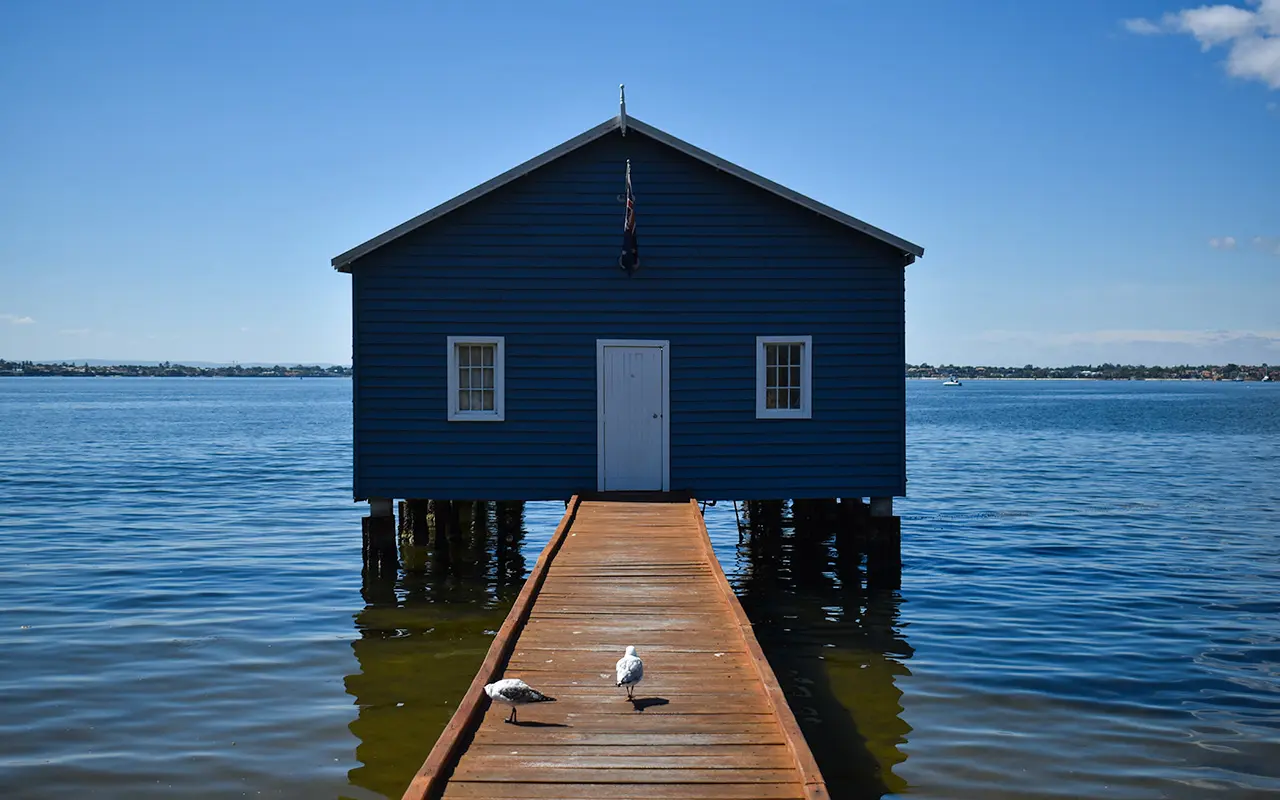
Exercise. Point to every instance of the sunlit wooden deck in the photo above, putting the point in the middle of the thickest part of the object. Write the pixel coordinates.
(709, 719)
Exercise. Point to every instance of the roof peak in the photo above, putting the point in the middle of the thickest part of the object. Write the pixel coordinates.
(623, 123)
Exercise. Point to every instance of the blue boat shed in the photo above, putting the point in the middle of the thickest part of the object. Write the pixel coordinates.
(505, 349)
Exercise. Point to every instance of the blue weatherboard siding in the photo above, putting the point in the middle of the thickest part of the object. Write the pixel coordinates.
(536, 261)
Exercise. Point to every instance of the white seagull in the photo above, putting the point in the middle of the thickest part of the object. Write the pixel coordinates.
(515, 693)
(630, 671)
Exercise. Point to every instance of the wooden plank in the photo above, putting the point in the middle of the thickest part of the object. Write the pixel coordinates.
(635, 758)
(470, 790)
(625, 719)
(593, 662)
(499, 773)
(688, 644)
(685, 672)
(619, 709)
(448, 747)
(708, 687)
(775, 756)
(511, 735)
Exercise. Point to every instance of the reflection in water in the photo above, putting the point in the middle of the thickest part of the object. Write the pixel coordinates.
(801, 571)
(425, 630)
(835, 644)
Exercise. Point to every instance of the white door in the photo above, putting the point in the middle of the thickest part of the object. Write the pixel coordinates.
(632, 410)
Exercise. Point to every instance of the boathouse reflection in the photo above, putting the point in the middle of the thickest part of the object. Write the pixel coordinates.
(808, 580)
(425, 629)
(824, 607)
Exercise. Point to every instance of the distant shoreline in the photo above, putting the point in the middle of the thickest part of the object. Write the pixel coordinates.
(1238, 373)
(165, 369)
(177, 377)
(1234, 373)
(1123, 380)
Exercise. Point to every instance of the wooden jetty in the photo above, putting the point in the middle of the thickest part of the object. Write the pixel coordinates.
(709, 720)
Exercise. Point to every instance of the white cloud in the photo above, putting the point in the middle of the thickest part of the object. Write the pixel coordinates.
(1142, 27)
(1223, 243)
(14, 319)
(1251, 36)
(1256, 57)
(1187, 337)
(1156, 346)
(1268, 244)
(1213, 25)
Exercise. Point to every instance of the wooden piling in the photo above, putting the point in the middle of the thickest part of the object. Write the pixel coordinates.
(884, 552)
(379, 543)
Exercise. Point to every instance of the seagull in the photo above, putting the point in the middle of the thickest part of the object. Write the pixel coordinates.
(630, 671)
(515, 693)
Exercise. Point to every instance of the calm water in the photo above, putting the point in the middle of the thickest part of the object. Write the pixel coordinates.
(1090, 603)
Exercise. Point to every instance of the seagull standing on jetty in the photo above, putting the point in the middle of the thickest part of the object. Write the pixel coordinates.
(630, 671)
(515, 693)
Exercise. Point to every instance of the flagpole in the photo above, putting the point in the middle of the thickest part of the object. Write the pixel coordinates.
(622, 107)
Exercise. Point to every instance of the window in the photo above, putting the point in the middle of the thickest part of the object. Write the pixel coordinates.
(784, 377)
(476, 380)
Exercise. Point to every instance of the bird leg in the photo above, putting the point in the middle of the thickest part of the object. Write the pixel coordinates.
(512, 716)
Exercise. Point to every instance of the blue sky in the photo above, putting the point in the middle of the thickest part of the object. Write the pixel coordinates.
(1092, 181)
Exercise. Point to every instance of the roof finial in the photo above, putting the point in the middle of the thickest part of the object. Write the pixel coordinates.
(622, 107)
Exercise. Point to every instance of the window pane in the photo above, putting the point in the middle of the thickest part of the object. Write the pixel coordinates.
(486, 377)
(795, 377)
(771, 398)
(464, 400)
(795, 398)
(464, 356)
(486, 354)
(770, 355)
(487, 399)
(464, 378)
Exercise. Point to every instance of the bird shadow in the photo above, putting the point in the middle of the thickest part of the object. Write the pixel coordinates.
(641, 703)
(523, 724)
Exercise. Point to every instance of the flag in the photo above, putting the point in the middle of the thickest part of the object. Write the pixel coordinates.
(630, 258)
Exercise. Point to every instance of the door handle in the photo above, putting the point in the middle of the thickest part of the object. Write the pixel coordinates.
(655, 416)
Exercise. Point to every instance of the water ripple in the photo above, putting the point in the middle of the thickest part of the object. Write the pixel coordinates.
(1089, 604)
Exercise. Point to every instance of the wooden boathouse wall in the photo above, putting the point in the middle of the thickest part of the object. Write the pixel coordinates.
(722, 262)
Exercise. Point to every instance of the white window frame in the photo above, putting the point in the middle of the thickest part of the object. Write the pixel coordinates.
(805, 411)
(498, 414)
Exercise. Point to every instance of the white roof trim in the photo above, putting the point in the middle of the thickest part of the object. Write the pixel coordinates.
(910, 251)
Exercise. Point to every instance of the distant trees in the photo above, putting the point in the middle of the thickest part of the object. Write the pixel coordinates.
(1107, 371)
(166, 369)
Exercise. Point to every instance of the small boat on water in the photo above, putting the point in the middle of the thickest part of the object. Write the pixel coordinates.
(952, 381)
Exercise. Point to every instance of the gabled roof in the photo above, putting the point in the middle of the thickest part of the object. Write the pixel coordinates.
(910, 251)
